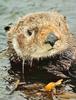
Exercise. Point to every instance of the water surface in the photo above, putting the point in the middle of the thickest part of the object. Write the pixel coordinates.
(11, 10)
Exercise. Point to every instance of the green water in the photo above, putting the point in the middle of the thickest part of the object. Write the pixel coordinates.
(11, 10)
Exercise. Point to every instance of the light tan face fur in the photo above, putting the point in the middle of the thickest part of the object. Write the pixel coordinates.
(29, 34)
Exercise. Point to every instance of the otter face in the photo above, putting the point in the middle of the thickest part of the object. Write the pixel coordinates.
(39, 35)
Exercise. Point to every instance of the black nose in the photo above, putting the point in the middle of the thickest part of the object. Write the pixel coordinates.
(51, 39)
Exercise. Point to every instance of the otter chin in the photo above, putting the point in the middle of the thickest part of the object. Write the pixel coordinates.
(43, 41)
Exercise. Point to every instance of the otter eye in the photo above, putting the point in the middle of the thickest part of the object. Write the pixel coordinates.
(29, 32)
(32, 31)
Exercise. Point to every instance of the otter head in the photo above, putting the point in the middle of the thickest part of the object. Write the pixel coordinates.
(39, 35)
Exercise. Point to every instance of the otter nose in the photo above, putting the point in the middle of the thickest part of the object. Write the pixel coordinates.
(51, 39)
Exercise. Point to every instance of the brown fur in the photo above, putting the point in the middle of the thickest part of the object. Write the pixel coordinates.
(29, 47)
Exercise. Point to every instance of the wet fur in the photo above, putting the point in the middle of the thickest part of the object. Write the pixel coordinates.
(57, 64)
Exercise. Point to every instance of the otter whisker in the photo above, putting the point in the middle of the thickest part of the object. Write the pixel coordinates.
(23, 69)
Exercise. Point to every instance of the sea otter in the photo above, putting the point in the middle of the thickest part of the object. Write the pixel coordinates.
(43, 42)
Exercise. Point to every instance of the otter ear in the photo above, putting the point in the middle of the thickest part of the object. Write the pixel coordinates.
(7, 28)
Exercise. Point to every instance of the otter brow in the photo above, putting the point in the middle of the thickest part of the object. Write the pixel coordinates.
(30, 30)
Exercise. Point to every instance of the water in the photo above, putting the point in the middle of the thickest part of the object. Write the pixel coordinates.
(11, 10)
